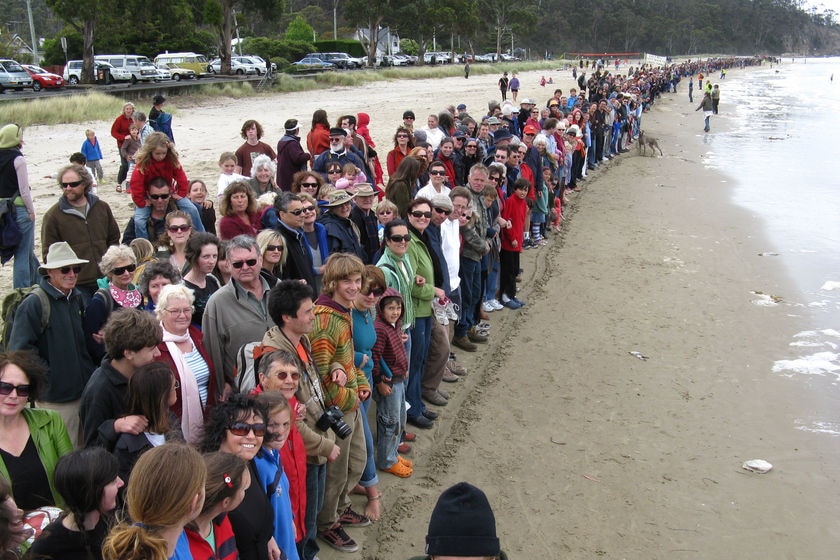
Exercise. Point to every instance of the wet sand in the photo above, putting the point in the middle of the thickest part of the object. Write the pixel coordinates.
(584, 449)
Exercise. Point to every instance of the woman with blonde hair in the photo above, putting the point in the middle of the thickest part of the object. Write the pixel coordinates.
(165, 493)
(173, 243)
(273, 249)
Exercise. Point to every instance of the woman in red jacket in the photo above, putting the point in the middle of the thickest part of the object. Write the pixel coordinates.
(239, 212)
(157, 158)
(121, 131)
(318, 139)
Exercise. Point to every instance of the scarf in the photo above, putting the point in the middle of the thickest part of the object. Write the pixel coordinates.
(129, 299)
(192, 417)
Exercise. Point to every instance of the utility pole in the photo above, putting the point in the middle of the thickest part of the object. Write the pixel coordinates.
(36, 58)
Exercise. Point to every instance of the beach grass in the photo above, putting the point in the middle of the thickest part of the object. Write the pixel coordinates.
(94, 105)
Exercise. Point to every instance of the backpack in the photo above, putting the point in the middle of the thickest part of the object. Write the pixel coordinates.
(11, 303)
(245, 365)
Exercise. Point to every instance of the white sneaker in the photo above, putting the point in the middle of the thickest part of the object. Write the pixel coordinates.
(452, 310)
(440, 312)
(488, 307)
(495, 303)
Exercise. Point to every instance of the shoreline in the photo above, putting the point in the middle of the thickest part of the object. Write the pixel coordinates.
(583, 449)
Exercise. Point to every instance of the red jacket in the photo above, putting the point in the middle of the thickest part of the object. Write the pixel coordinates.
(515, 210)
(121, 128)
(140, 180)
(212, 388)
(225, 542)
(231, 226)
(318, 140)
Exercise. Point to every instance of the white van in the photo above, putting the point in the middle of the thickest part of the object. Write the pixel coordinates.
(195, 62)
(140, 67)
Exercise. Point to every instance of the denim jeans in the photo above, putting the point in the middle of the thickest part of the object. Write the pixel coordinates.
(316, 483)
(492, 281)
(421, 335)
(470, 295)
(369, 477)
(141, 216)
(25, 269)
(390, 422)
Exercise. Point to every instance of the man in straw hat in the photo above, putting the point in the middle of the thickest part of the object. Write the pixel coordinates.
(59, 341)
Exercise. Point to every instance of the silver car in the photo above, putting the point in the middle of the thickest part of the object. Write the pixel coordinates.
(13, 75)
(236, 67)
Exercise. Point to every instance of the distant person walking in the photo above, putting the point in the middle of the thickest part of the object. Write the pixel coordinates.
(708, 110)
(503, 85)
(467, 70)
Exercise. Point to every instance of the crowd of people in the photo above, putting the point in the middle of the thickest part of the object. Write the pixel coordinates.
(217, 391)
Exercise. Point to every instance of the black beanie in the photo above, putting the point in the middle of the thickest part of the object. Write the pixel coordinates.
(462, 524)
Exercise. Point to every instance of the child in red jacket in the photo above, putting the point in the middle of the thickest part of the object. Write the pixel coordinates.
(157, 158)
(515, 211)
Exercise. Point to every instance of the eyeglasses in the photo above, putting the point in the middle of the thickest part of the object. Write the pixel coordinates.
(175, 229)
(399, 238)
(283, 375)
(443, 211)
(239, 264)
(71, 185)
(274, 248)
(120, 270)
(75, 268)
(308, 208)
(242, 429)
(183, 311)
(295, 212)
(315, 185)
(158, 196)
(21, 390)
(419, 214)
(437, 172)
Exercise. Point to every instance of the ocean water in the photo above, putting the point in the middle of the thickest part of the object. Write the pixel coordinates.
(781, 153)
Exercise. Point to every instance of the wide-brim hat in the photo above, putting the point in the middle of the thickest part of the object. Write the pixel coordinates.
(502, 134)
(574, 129)
(363, 189)
(11, 136)
(339, 197)
(59, 255)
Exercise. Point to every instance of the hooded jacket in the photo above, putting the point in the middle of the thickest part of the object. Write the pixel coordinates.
(390, 360)
(290, 159)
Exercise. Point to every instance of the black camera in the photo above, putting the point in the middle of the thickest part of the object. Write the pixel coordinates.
(333, 419)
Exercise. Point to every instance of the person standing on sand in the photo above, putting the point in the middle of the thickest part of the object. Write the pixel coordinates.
(708, 109)
(503, 85)
(514, 87)
(715, 98)
(691, 91)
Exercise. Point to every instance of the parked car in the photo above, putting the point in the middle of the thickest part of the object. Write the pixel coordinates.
(394, 60)
(262, 62)
(339, 59)
(176, 72)
(73, 71)
(310, 62)
(42, 79)
(252, 61)
(140, 68)
(236, 67)
(13, 75)
(163, 74)
(186, 60)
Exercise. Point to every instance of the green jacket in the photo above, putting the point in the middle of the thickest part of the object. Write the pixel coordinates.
(51, 440)
(421, 296)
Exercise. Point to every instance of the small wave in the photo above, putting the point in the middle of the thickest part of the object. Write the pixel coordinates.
(821, 363)
(830, 285)
(830, 428)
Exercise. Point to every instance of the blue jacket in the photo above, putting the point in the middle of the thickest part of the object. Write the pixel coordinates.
(91, 152)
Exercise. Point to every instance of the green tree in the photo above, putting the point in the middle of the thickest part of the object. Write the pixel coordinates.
(219, 13)
(83, 16)
(369, 14)
(299, 30)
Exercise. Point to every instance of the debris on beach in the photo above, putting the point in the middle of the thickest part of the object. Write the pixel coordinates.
(638, 355)
(766, 299)
(768, 254)
(759, 466)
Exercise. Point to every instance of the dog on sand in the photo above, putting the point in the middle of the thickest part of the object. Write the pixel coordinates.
(651, 142)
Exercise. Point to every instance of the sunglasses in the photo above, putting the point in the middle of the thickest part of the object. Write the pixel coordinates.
(283, 375)
(71, 185)
(437, 172)
(75, 268)
(375, 293)
(315, 185)
(21, 390)
(175, 229)
(120, 270)
(496, 179)
(384, 212)
(331, 172)
(274, 248)
(308, 208)
(242, 429)
(239, 264)
(158, 196)
(398, 238)
(296, 212)
(402, 135)
(443, 211)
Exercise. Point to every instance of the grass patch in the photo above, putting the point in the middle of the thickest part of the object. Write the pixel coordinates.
(90, 106)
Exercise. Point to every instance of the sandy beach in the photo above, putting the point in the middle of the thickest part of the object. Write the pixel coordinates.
(584, 449)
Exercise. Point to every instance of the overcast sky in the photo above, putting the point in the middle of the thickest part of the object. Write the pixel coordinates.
(822, 5)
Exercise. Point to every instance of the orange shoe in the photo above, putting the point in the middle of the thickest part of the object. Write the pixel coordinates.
(399, 469)
(407, 462)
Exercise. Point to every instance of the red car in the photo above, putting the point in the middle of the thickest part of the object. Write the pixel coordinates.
(43, 79)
